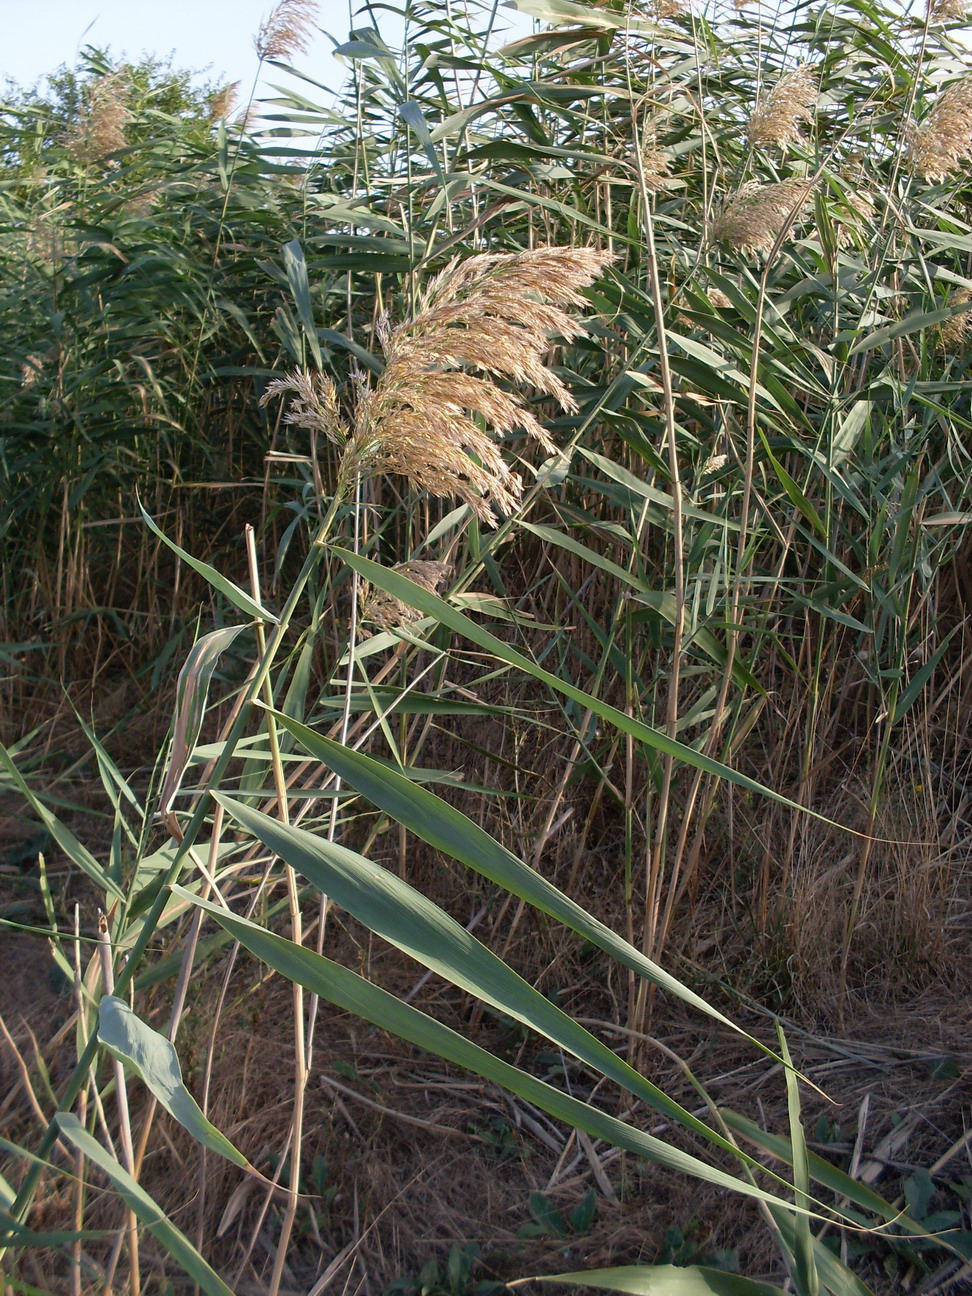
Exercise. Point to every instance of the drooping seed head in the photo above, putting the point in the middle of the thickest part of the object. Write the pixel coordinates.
(777, 117)
(944, 140)
(948, 11)
(954, 338)
(753, 218)
(315, 406)
(223, 101)
(432, 421)
(287, 30)
(387, 612)
(100, 128)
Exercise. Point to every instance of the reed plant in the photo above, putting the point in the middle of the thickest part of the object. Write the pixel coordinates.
(617, 380)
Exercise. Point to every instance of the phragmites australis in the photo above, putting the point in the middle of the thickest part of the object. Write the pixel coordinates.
(666, 9)
(955, 331)
(854, 216)
(287, 31)
(223, 101)
(315, 405)
(944, 139)
(430, 420)
(948, 11)
(387, 612)
(753, 218)
(654, 166)
(776, 118)
(100, 128)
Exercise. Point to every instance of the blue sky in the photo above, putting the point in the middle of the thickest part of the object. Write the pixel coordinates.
(37, 36)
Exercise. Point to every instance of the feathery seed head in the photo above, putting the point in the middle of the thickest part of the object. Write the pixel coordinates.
(100, 128)
(955, 331)
(777, 117)
(382, 610)
(287, 31)
(31, 370)
(223, 101)
(753, 217)
(946, 11)
(662, 9)
(655, 163)
(431, 421)
(315, 406)
(718, 299)
(944, 139)
(855, 215)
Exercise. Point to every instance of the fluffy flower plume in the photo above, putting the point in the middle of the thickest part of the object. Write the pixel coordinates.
(287, 31)
(955, 331)
(100, 128)
(753, 218)
(430, 420)
(854, 218)
(777, 117)
(662, 9)
(946, 11)
(315, 405)
(655, 164)
(944, 139)
(387, 612)
(223, 101)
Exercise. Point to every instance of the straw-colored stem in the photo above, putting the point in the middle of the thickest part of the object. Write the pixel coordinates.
(124, 1117)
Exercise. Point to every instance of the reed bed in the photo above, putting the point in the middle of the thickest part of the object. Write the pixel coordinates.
(539, 512)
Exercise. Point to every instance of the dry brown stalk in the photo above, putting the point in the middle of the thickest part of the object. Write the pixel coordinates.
(944, 139)
(753, 217)
(287, 31)
(955, 331)
(100, 128)
(387, 612)
(777, 117)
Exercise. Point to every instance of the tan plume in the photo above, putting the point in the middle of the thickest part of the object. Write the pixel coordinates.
(223, 101)
(287, 31)
(430, 420)
(944, 139)
(777, 117)
(100, 128)
(753, 218)
(387, 612)
(946, 11)
(955, 331)
(315, 406)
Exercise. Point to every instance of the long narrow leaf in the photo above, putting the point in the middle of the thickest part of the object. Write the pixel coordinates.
(144, 1207)
(354, 994)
